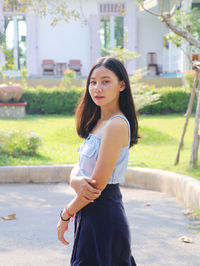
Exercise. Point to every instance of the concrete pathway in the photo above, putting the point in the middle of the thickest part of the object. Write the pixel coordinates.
(155, 218)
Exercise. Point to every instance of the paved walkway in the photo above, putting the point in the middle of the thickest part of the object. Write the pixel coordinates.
(155, 218)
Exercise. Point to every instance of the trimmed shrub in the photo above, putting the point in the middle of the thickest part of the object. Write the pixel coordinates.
(148, 100)
(43, 100)
(15, 143)
(172, 100)
(189, 78)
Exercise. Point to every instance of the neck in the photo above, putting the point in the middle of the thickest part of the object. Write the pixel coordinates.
(107, 113)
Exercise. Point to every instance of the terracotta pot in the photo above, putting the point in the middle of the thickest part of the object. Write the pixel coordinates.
(10, 92)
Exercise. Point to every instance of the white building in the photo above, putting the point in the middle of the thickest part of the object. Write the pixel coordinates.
(32, 39)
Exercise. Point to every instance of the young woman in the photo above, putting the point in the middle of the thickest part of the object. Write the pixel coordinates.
(106, 118)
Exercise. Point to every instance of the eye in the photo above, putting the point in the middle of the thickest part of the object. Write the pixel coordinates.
(92, 82)
(106, 81)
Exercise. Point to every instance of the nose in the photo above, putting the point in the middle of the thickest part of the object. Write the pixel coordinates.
(97, 87)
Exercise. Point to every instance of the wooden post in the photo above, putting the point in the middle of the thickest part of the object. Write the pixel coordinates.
(195, 144)
(188, 113)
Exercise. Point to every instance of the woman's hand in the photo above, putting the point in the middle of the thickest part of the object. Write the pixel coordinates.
(62, 227)
(83, 188)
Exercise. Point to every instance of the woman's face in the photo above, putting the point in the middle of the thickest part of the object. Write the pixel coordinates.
(105, 87)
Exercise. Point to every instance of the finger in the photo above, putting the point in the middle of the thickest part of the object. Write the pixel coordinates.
(92, 196)
(89, 185)
(60, 236)
(93, 190)
(90, 180)
(87, 199)
(64, 241)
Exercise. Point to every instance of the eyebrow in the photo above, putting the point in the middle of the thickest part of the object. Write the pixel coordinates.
(103, 77)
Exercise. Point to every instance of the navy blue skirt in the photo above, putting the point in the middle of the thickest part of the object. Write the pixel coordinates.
(101, 233)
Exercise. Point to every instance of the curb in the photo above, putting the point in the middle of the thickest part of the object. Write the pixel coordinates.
(35, 173)
(183, 187)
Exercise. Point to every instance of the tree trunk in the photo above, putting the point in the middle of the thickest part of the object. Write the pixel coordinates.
(188, 113)
(183, 33)
(195, 144)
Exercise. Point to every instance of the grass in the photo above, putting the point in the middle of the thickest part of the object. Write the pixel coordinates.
(157, 149)
(159, 146)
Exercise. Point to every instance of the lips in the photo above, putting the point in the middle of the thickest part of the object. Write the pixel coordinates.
(98, 97)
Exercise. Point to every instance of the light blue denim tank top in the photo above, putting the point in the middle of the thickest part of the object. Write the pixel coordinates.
(88, 153)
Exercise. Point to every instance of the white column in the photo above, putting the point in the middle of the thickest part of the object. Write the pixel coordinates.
(130, 28)
(94, 37)
(186, 5)
(2, 57)
(112, 32)
(175, 59)
(32, 44)
(170, 58)
(15, 32)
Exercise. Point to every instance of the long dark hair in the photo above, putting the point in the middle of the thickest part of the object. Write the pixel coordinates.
(88, 113)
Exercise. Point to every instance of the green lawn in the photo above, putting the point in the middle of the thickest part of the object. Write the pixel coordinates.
(157, 149)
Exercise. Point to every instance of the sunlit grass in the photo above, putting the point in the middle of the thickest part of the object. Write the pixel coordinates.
(157, 148)
(60, 141)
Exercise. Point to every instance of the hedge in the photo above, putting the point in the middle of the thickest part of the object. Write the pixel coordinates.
(172, 100)
(51, 100)
(62, 101)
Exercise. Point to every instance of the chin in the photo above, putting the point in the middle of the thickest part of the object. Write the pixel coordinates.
(98, 104)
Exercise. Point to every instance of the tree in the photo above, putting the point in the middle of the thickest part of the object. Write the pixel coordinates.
(189, 20)
(180, 23)
(58, 9)
(182, 30)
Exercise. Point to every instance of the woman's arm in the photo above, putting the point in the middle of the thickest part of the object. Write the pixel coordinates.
(82, 185)
(114, 137)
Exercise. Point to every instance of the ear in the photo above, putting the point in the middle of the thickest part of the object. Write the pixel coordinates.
(122, 85)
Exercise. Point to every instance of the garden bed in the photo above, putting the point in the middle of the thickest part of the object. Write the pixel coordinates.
(12, 110)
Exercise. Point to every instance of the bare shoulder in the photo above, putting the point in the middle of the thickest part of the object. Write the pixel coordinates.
(117, 130)
(114, 137)
(117, 123)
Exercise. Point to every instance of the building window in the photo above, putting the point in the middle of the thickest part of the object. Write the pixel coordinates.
(15, 41)
(105, 34)
(196, 5)
(111, 8)
(111, 25)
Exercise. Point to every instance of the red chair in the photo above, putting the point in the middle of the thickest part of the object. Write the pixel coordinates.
(195, 57)
(75, 65)
(48, 67)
